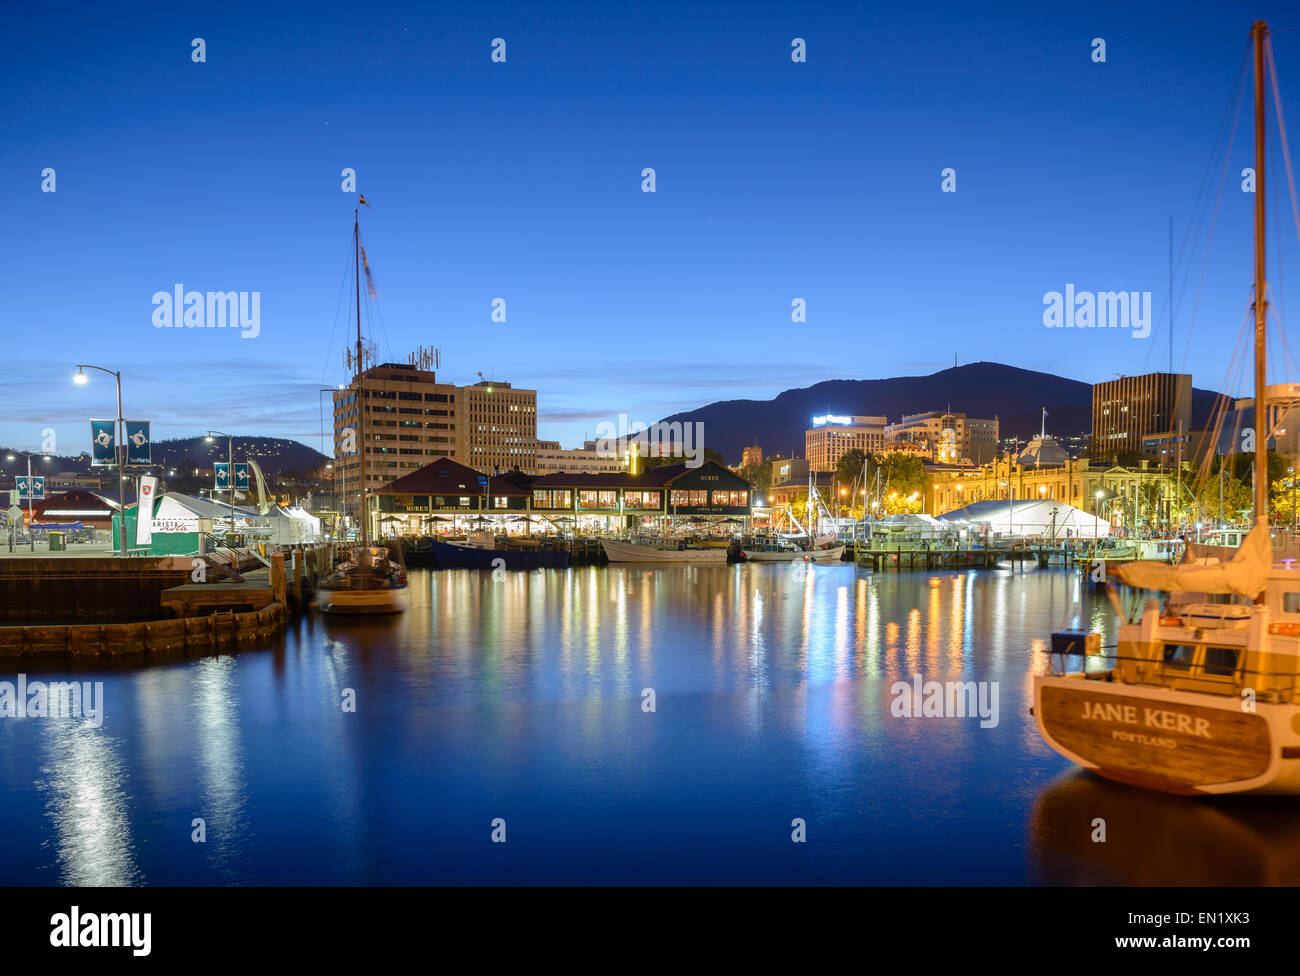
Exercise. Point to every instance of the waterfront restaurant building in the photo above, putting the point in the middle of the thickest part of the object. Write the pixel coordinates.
(446, 497)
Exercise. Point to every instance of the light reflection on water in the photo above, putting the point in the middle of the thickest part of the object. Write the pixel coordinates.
(523, 699)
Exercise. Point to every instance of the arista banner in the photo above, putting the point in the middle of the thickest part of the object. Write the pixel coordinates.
(144, 511)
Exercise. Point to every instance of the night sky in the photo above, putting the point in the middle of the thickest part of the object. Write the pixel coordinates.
(522, 180)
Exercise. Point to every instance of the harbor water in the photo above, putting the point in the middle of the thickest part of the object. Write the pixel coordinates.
(648, 725)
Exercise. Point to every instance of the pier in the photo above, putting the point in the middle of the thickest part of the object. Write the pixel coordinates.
(102, 604)
(900, 558)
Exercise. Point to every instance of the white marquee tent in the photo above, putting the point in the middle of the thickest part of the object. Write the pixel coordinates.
(1029, 517)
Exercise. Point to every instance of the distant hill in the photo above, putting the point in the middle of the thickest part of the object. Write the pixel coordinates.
(1014, 396)
(273, 454)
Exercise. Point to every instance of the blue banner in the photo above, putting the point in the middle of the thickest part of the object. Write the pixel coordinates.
(103, 441)
(137, 442)
(36, 492)
(223, 476)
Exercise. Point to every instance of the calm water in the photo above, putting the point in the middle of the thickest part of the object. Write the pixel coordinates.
(522, 699)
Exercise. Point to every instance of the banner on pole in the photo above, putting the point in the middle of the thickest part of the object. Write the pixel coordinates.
(103, 442)
(144, 511)
(137, 442)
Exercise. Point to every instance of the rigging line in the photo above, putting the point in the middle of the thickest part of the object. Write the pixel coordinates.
(347, 277)
(1232, 380)
(1286, 152)
(1200, 287)
(1222, 144)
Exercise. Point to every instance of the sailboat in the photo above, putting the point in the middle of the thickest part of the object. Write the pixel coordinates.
(369, 581)
(1204, 694)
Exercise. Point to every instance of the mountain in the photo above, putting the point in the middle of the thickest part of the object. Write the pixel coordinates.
(1014, 396)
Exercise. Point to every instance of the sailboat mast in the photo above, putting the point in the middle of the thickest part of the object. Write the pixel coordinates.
(1259, 31)
(365, 511)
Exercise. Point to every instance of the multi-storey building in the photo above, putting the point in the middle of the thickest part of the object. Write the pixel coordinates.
(947, 437)
(410, 419)
(498, 427)
(832, 436)
(1125, 410)
(553, 459)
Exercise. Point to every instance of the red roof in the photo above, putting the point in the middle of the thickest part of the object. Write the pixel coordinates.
(447, 477)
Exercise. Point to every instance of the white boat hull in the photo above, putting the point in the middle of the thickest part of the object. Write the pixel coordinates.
(777, 556)
(628, 552)
(388, 600)
(833, 554)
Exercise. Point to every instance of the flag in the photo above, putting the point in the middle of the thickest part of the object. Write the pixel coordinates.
(362, 198)
(370, 282)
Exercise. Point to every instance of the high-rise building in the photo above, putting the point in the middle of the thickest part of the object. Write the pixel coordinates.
(946, 436)
(1125, 410)
(410, 420)
(497, 427)
(832, 436)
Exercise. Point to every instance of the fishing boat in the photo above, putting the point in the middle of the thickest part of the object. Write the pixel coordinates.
(369, 581)
(826, 554)
(631, 552)
(1191, 704)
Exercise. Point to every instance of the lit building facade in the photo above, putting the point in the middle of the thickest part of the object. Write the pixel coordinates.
(947, 437)
(1126, 410)
(832, 436)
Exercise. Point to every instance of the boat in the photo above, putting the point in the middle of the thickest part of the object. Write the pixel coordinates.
(825, 554)
(475, 554)
(369, 581)
(630, 552)
(1188, 705)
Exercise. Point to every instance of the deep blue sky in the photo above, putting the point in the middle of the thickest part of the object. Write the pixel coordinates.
(522, 180)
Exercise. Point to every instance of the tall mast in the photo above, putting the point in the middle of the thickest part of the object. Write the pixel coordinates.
(365, 511)
(1259, 31)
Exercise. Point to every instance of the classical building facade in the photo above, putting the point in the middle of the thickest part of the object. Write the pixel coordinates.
(1124, 496)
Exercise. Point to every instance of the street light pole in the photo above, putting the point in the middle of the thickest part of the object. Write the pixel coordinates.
(230, 470)
(119, 453)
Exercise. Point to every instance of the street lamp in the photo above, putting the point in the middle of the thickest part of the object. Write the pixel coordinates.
(230, 469)
(31, 536)
(82, 379)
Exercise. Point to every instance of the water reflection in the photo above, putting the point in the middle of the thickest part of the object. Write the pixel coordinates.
(522, 697)
(1158, 839)
(84, 780)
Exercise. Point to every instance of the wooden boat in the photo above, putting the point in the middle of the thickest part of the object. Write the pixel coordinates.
(630, 552)
(370, 581)
(1184, 707)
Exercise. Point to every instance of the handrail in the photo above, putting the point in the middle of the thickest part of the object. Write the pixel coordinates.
(1233, 684)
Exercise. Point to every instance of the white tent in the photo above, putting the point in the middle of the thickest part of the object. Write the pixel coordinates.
(1029, 518)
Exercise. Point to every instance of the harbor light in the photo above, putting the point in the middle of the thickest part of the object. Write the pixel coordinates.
(81, 377)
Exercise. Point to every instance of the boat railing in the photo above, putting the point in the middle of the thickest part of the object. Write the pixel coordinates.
(1265, 685)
